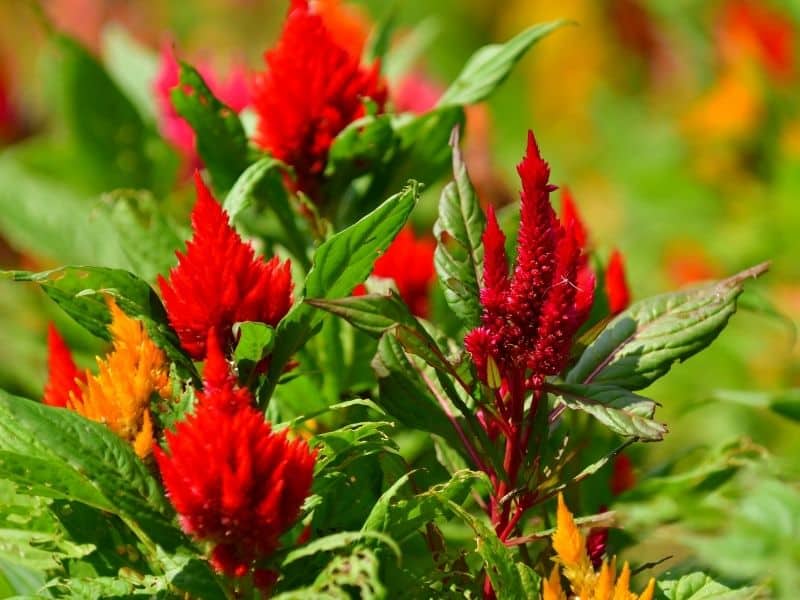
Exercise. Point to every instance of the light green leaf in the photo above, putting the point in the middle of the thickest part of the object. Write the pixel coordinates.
(221, 141)
(699, 586)
(256, 341)
(783, 402)
(490, 65)
(618, 409)
(133, 67)
(642, 343)
(459, 245)
(336, 541)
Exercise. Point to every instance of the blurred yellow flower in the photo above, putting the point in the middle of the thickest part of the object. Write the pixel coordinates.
(584, 582)
(119, 395)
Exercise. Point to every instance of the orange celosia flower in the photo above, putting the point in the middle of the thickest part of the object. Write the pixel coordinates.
(584, 581)
(119, 395)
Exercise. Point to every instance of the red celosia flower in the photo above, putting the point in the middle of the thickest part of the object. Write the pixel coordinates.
(417, 93)
(751, 29)
(619, 296)
(63, 378)
(233, 481)
(311, 90)
(529, 319)
(409, 261)
(219, 281)
(622, 476)
(596, 543)
(348, 25)
(231, 91)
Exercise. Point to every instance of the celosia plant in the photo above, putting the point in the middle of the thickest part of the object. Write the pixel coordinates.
(271, 416)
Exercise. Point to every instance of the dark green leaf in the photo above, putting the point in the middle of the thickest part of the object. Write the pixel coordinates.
(100, 121)
(459, 244)
(642, 343)
(81, 292)
(221, 141)
(490, 65)
(618, 409)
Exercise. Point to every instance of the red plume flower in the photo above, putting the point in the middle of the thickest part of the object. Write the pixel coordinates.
(529, 319)
(409, 261)
(219, 281)
(619, 295)
(311, 90)
(233, 481)
(63, 375)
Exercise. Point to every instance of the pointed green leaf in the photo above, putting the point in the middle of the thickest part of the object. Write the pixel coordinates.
(221, 140)
(618, 409)
(642, 343)
(459, 244)
(339, 265)
(490, 65)
(81, 292)
(699, 586)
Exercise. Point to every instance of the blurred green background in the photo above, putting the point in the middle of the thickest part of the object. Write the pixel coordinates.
(675, 124)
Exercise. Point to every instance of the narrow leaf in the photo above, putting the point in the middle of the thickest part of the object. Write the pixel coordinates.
(490, 65)
(459, 247)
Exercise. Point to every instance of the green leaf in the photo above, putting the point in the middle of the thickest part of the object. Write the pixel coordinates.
(340, 264)
(642, 343)
(128, 586)
(100, 121)
(499, 560)
(336, 541)
(56, 453)
(221, 141)
(459, 245)
(261, 188)
(699, 586)
(147, 236)
(618, 409)
(81, 292)
(133, 67)
(783, 402)
(490, 65)
(403, 395)
(48, 219)
(401, 518)
(256, 341)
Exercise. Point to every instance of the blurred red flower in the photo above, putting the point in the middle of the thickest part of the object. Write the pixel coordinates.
(64, 378)
(220, 281)
(232, 480)
(312, 89)
(617, 290)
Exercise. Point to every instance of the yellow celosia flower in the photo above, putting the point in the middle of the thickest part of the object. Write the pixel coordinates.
(585, 583)
(119, 395)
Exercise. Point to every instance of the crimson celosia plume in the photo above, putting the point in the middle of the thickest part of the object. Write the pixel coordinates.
(529, 319)
(233, 481)
(64, 378)
(312, 89)
(220, 281)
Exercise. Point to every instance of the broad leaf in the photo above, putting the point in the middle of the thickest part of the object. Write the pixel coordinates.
(255, 343)
(699, 586)
(221, 141)
(459, 244)
(618, 409)
(81, 292)
(56, 453)
(339, 265)
(490, 65)
(784, 402)
(134, 68)
(642, 343)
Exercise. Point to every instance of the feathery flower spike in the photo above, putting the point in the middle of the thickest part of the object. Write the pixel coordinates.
(617, 291)
(119, 395)
(64, 378)
(220, 281)
(232, 480)
(312, 89)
